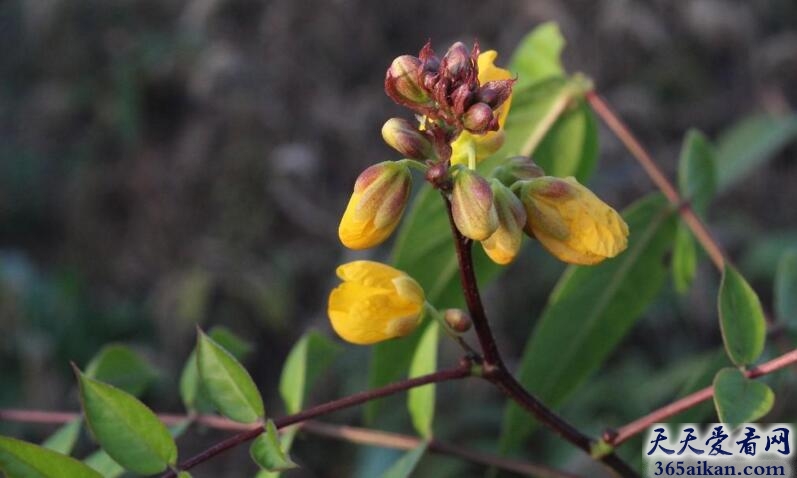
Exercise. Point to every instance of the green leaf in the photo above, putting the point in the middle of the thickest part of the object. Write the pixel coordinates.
(749, 144)
(307, 360)
(267, 452)
(405, 465)
(125, 428)
(121, 367)
(64, 439)
(183, 474)
(786, 289)
(420, 400)
(740, 400)
(191, 391)
(741, 318)
(287, 436)
(19, 459)
(538, 55)
(590, 311)
(684, 259)
(227, 383)
(697, 176)
(104, 464)
(570, 145)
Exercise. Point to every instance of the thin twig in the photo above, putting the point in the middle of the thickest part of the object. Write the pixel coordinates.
(496, 372)
(459, 372)
(658, 177)
(462, 245)
(396, 441)
(346, 433)
(622, 434)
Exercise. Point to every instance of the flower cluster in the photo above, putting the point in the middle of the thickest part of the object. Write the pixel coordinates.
(461, 102)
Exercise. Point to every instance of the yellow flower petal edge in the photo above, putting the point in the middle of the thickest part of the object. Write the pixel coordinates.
(374, 303)
(571, 222)
(483, 145)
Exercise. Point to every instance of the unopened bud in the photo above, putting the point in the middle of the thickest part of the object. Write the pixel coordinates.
(457, 61)
(518, 168)
(402, 136)
(495, 92)
(472, 205)
(571, 222)
(376, 205)
(403, 82)
(503, 246)
(479, 119)
(458, 320)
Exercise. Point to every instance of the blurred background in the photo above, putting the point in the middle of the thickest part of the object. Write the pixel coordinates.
(165, 163)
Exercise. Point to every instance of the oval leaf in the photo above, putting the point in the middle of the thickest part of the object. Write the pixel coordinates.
(786, 290)
(741, 318)
(191, 392)
(590, 311)
(227, 383)
(684, 259)
(538, 55)
(125, 428)
(267, 452)
(19, 459)
(740, 400)
(697, 177)
(119, 366)
(308, 359)
(420, 400)
(104, 464)
(63, 440)
(750, 143)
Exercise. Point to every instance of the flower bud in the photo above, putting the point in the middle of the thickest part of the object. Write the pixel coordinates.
(496, 92)
(402, 136)
(458, 320)
(376, 205)
(403, 82)
(457, 62)
(571, 222)
(517, 168)
(503, 246)
(479, 119)
(472, 205)
(374, 303)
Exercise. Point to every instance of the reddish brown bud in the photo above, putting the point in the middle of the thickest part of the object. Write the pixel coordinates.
(402, 136)
(458, 320)
(461, 99)
(479, 119)
(457, 62)
(494, 93)
(403, 82)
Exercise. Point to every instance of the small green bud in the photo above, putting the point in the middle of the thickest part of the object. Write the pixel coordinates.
(400, 135)
(517, 168)
(472, 205)
(458, 320)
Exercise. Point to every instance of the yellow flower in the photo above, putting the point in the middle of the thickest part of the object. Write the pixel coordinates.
(571, 222)
(375, 302)
(376, 205)
(483, 145)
